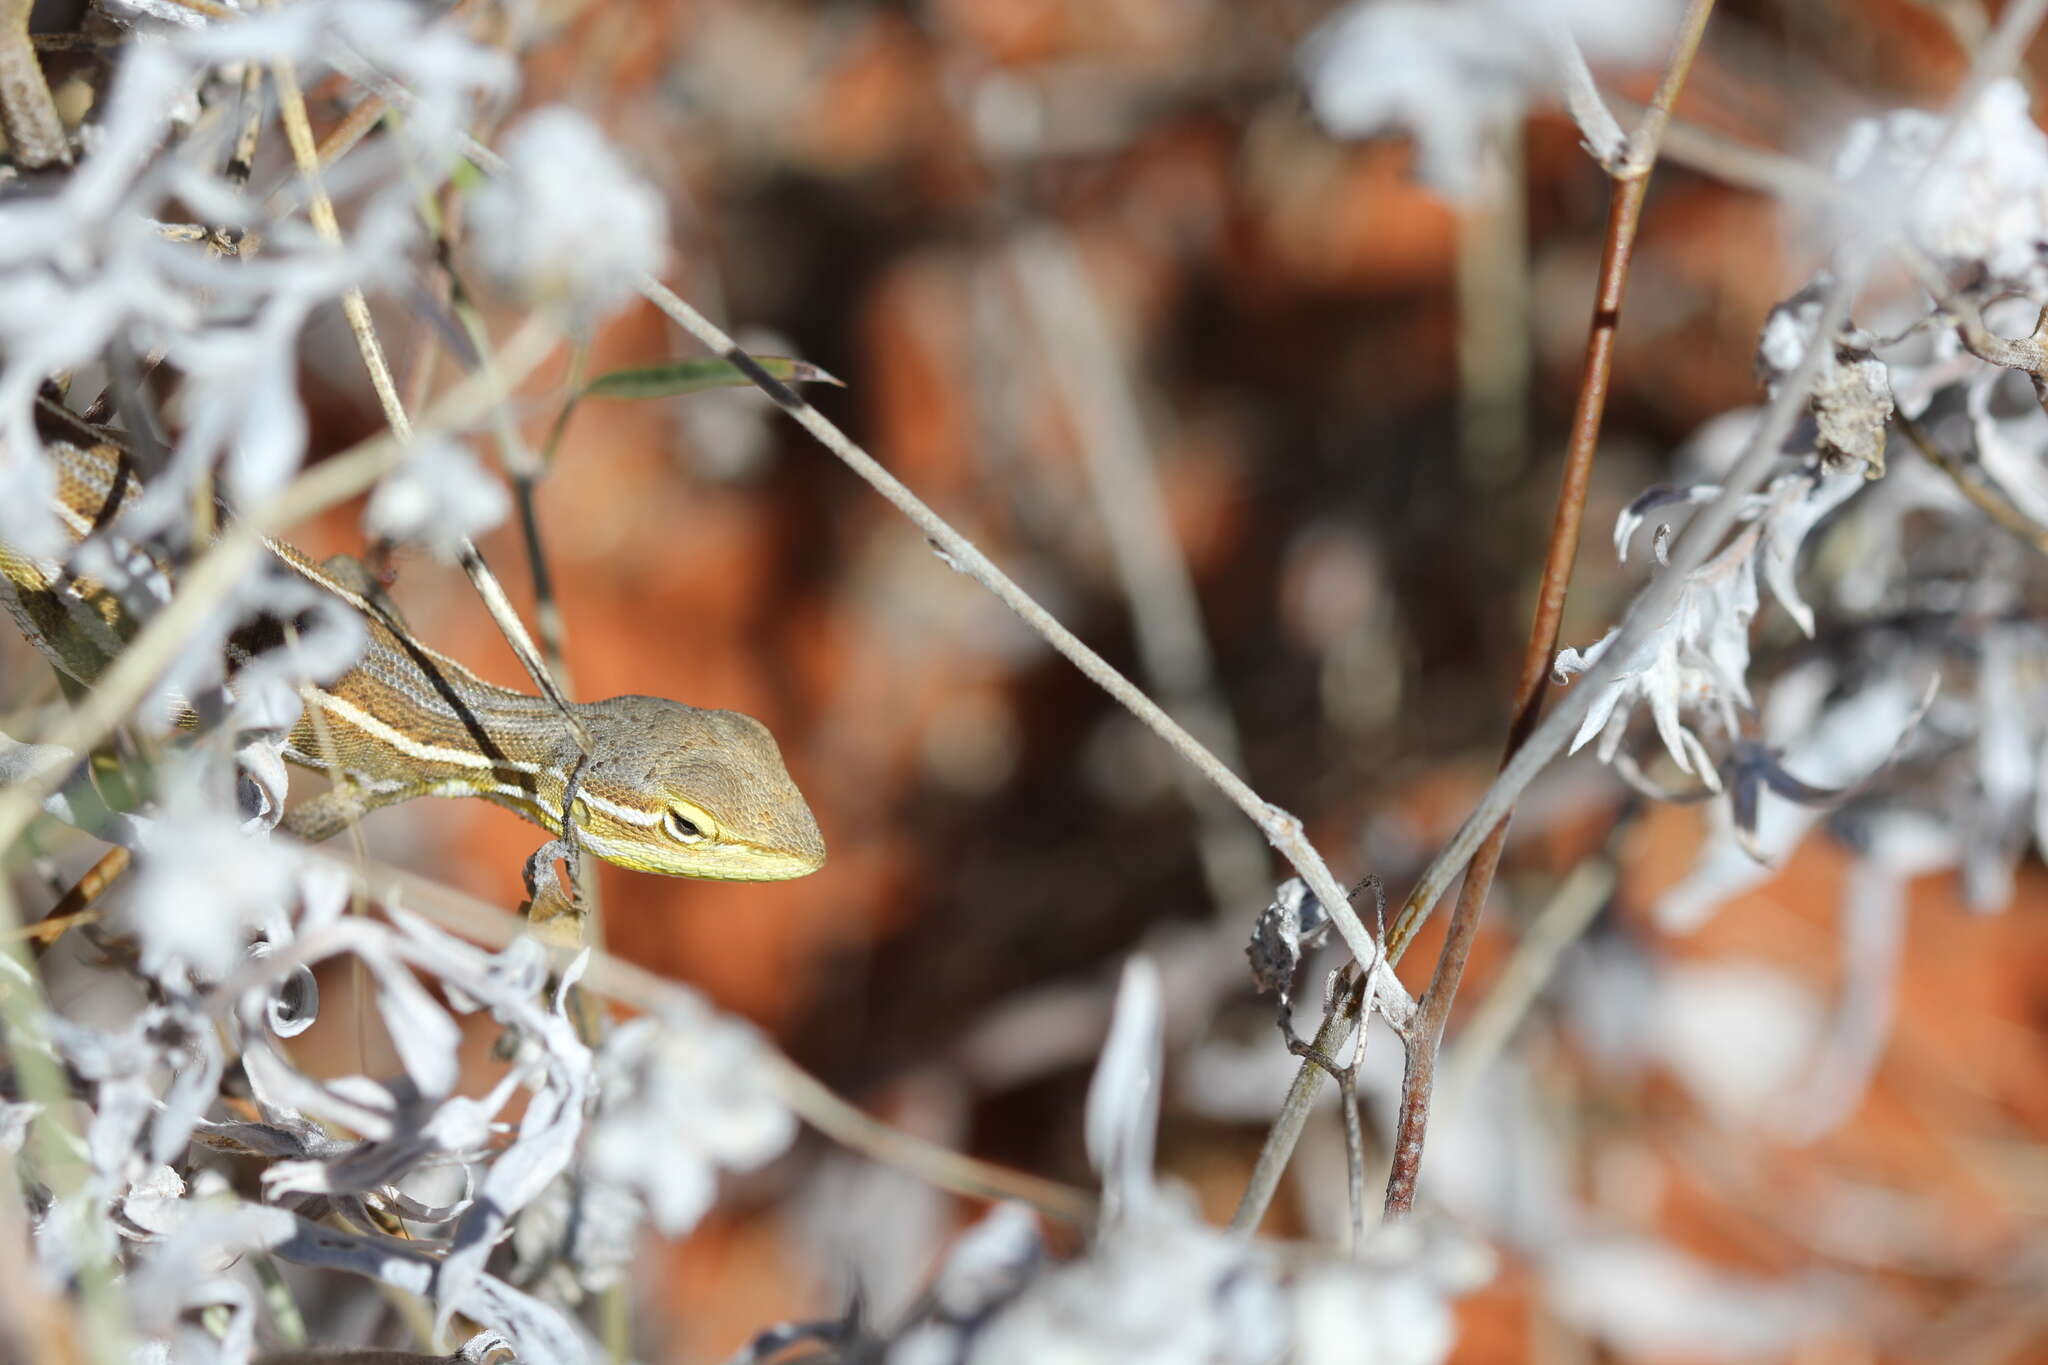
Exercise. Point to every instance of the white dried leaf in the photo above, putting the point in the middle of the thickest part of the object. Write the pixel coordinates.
(1351, 1316)
(1123, 1099)
(1694, 661)
(440, 496)
(1793, 505)
(152, 1205)
(1736, 1034)
(1647, 1299)
(567, 223)
(203, 885)
(1649, 500)
(241, 400)
(15, 1118)
(537, 1331)
(1985, 205)
(990, 1263)
(1453, 74)
(681, 1096)
(1157, 1288)
(1902, 846)
(1695, 664)
(580, 1236)
(544, 1143)
(186, 1271)
(1829, 743)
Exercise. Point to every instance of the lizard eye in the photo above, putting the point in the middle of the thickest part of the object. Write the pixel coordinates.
(685, 829)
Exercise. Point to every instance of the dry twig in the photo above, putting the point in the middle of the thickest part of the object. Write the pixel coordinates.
(1631, 184)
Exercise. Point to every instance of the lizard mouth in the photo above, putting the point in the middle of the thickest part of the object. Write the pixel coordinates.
(725, 861)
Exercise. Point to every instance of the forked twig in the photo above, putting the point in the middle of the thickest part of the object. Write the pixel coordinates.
(1704, 533)
(1333, 1037)
(1631, 176)
(1283, 830)
(299, 132)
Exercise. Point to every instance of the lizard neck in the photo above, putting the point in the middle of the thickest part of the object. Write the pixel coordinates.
(407, 715)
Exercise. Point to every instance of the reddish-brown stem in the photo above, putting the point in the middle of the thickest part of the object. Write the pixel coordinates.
(1624, 214)
(80, 905)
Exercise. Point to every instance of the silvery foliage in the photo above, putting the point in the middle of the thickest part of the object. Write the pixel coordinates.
(440, 496)
(682, 1096)
(1157, 1284)
(1456, 72)
(1916, 722)
(1863, 650)
(86, 271)
(153, 1182)
(565, 222)
(159, 1145)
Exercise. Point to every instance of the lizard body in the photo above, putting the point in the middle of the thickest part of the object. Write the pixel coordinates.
(669, 788)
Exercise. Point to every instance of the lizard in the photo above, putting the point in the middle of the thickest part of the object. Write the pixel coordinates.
(672, 789)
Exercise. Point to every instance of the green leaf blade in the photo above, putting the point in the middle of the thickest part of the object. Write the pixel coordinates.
(695, 376)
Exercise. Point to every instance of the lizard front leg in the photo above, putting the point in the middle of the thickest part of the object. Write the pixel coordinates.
(334, 810)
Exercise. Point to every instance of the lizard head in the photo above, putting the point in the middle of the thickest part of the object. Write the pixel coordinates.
(693, 793)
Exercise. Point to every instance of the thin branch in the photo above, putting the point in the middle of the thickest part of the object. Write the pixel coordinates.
(356, 124)
(1283, 830)
(524, 468)
(1649, 610)
(1333, 1037)
(547, 610)
(1491, 281)
(1354, 1146)
(79, 905)
(2001, 513)
(343, 1356)
(1625, 210)
(1965, 20)
(1348, 998)
(1648, 139)
(1747, 167)
(2028, 354)
(1703, 534)
(1476, 840)
(1794, 181)
(299, 132)
(1630, 157)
